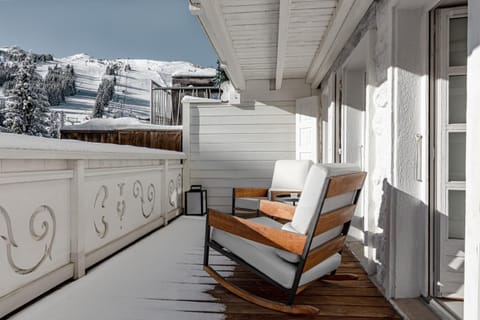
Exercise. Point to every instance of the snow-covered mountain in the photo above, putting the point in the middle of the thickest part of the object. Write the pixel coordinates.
(132, 90)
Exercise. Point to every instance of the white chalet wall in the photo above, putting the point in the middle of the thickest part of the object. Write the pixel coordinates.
(396, 112)
(231, 146)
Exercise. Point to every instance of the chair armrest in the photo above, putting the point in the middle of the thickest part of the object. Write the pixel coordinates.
(250, 192)
(277, 238)
(277, 209)
(275, 193)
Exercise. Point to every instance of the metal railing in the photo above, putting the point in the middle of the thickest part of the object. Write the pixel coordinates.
(166, 102)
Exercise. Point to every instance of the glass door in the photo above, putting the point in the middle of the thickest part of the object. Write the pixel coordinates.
(449, 151)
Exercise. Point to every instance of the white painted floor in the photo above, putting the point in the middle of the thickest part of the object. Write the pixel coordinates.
(159, 277)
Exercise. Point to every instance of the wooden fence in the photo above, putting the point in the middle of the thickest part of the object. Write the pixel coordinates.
(157, 139)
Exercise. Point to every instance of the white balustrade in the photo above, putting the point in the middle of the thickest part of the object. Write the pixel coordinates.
(65, 205)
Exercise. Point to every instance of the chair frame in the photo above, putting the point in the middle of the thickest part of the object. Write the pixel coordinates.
(288, 241)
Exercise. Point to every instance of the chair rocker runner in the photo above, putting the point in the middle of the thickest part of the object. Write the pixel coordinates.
(295, 254)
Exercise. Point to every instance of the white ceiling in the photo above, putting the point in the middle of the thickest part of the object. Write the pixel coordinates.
(253, 29)
(278, 39)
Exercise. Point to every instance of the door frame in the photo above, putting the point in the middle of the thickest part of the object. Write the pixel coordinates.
(438, 92)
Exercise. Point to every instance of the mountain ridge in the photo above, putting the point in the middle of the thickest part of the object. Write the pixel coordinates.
(133, 76)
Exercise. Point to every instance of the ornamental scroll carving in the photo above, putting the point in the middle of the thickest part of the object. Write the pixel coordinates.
(138, 192)
(172, 194)
(179, 190)
(47, 228)
(175, 192)
(100, 198)
(121, 205)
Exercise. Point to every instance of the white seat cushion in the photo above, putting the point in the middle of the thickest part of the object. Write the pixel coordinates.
(265, 259)
(249, 203)
(290, 175)
(310, 200)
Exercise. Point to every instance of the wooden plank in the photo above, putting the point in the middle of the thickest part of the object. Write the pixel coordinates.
(246, 128)
(250, 8)
(241, 138)
(323, 252)
(277, 209)
(283, 21)
(245, 156)
(357, 311)
(236, 3)
(239, 174)
(276, 108)
(233, 165)
(277, 238)
(345, 184)
(334, 218)
(239, 147)
(250, 192)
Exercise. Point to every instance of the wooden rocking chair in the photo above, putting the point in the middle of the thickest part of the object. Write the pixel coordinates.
(295, 254)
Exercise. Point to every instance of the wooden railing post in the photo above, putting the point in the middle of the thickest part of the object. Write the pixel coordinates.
(165, 191)
(77, 223)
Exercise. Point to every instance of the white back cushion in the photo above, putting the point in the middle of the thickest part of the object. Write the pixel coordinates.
(290, 175)
(310, 199)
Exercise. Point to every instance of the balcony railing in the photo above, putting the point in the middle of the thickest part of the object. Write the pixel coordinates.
(166, 102)
(65, 205)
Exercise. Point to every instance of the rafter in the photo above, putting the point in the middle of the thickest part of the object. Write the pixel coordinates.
(283, 20)
(347, 17)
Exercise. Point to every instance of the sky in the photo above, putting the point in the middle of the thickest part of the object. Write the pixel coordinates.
(145, 29)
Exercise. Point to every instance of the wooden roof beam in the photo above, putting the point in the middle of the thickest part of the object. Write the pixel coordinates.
(347, 16)
(210, 16)
(283, 20)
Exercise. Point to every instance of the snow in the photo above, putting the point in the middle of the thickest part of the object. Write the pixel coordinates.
(115, 124)
(11, 145)
(152, 279)
(195, 73)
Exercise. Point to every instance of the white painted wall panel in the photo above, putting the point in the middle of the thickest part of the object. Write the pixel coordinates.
(29, 210)
(236, 146)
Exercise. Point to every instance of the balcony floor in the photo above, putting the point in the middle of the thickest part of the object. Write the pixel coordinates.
(161, 277)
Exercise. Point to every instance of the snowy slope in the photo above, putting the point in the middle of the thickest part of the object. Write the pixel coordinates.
(132, 91)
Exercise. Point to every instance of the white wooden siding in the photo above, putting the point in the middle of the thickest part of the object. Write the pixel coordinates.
(236, 146)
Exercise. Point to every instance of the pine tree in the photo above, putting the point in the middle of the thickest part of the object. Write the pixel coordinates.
(60, 83)
(105, 93)
(27, 108)
(99, 109)
(2, 111)
(220, 76)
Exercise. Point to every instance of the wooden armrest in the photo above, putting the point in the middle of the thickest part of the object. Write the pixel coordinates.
(323, 252)
(277, 238)
(277, 209)
(250, 192)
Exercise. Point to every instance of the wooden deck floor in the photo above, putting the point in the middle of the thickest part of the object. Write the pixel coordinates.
(161, 278)
(343, 300)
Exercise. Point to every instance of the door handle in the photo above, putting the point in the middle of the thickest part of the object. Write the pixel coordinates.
(419, 157)
(361, 156)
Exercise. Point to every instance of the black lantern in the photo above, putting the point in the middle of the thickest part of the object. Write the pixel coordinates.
(196, 201)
